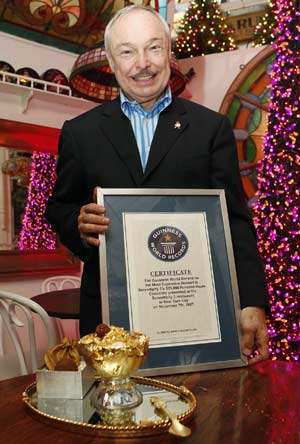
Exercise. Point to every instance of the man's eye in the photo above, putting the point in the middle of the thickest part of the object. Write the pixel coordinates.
(126, 52)
(155, 48)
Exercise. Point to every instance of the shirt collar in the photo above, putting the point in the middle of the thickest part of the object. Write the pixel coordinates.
(161, 104)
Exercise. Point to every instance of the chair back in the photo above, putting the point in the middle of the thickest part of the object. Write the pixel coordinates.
(13, 307)
(60, 282)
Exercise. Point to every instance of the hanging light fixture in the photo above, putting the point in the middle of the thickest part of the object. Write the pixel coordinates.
(93, 79)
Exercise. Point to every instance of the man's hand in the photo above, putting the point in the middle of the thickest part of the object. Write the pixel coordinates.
(255, 336)
(91, 222)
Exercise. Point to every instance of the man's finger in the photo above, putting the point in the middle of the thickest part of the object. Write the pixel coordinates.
(262, 346)
(93, 241)
(255, 359)
(247, 343)
(261, 354)
(93, 208)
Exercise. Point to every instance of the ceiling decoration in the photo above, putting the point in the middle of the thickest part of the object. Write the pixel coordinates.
(61, 15)
(77, 23)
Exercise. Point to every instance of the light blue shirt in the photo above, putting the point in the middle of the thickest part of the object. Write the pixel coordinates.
(144, 123)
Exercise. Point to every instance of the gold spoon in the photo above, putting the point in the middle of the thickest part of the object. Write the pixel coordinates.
(176, 427)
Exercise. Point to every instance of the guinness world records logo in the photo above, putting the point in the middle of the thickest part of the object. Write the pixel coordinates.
(168, 243)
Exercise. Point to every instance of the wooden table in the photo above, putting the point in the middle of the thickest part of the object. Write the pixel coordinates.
(257, 405)
(62, 304)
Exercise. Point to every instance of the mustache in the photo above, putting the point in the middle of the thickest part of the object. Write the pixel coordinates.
(144, 73)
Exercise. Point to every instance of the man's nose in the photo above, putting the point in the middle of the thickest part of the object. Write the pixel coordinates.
(142, 60)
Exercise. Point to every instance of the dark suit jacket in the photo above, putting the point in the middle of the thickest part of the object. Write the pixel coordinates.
(98, 148)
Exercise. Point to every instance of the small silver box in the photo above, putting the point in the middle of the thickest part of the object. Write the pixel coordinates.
(73, 409)
(61, 384)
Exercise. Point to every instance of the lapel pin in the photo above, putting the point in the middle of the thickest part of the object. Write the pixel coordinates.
(177, 125)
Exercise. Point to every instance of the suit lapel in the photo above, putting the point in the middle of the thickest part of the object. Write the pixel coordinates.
(171, 124)
(118, 130)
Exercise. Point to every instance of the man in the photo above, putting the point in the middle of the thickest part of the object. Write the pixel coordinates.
(147, 139)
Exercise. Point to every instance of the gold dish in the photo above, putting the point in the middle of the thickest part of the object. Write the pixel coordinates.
(115, 357)
(144, 421)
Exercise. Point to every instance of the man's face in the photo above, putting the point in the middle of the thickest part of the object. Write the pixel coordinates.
(140, 54)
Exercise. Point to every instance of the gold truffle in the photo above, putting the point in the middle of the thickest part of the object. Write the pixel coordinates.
(102, 330)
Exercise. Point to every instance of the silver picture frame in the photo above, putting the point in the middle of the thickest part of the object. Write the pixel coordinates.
(167, 269)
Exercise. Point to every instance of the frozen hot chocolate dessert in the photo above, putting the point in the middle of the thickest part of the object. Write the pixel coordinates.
(114, 352)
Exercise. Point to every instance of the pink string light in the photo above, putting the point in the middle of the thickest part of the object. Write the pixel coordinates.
(278, 205)
(36, 233)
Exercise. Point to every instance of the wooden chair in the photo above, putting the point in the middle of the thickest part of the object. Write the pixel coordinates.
(13, 307)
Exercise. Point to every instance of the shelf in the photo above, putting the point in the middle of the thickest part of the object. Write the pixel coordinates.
(35, 104)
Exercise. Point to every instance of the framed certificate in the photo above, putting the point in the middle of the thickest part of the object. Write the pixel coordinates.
(167, 270)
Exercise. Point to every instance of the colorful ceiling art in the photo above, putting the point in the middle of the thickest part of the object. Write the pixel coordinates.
(61, 15)
(77, 23)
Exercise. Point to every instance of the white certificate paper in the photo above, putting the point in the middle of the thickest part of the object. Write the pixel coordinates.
(170, 282)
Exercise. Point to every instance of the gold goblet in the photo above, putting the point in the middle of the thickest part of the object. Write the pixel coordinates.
(115, 356)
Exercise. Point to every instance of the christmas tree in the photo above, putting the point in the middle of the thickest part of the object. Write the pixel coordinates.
(35, 232)
(203, 30)
(278, 207)
(264, 31)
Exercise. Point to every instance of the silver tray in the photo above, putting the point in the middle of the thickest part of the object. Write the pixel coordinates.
(79, 415)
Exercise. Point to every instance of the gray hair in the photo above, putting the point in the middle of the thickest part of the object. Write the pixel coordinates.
(125, 11)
